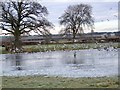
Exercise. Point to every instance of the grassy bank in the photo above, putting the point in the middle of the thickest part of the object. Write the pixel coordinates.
(3, 51)
(55, 47)
(59, 82)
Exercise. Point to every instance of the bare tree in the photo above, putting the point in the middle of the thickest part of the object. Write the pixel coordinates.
(23, 17)
(76, 18)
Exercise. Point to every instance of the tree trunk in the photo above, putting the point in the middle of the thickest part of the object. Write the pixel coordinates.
(17, 46)
(74, 36)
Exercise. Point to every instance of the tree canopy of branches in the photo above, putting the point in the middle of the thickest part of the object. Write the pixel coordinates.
(76, 18)
(19, 18)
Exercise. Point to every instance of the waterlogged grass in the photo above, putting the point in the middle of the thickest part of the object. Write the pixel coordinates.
(3, 51)
(56, 47)
(43, 48)
(59, 82)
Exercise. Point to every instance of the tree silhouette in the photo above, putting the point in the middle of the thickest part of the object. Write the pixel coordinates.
(76, 18)
(22, 17)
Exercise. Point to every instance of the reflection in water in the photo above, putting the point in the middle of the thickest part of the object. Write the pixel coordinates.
(74, 60)
(75, 54)
(14, 60)
(74, 57)
(18, 62)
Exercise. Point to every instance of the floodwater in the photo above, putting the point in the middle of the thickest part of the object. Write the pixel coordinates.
(76, 63)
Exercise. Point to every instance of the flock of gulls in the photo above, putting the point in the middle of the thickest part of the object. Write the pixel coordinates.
(113, 15)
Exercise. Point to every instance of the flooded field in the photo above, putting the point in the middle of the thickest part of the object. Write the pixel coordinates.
(74, 63)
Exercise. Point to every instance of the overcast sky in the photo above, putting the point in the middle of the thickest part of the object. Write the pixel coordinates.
(105, 13)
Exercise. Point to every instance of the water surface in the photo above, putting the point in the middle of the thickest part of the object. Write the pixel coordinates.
(77, 63)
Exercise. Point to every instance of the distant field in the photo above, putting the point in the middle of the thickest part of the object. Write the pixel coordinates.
(59, 82)
(55, 47)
